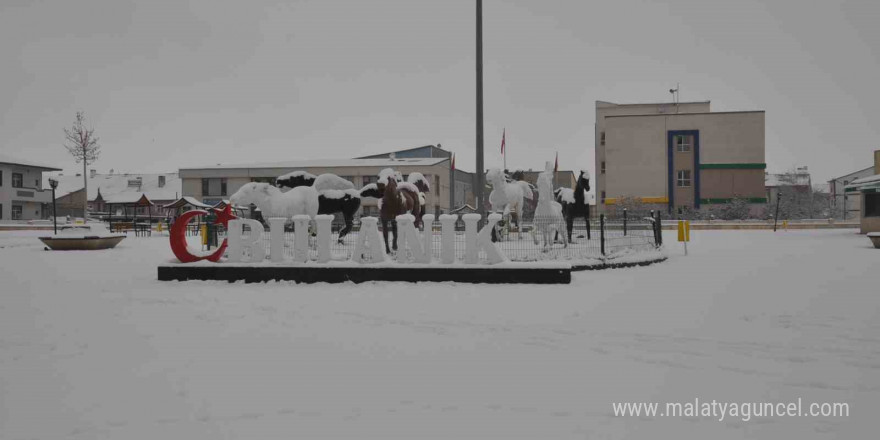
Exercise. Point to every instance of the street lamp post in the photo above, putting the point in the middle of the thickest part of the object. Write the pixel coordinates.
(479, 174)
(54, 184)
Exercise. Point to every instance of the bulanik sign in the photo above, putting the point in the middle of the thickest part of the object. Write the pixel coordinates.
(369, 247)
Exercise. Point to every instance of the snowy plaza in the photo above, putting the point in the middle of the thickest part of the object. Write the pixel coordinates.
(93, 346)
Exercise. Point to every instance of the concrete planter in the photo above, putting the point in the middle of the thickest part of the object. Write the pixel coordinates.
(81, 243)
(875, 238)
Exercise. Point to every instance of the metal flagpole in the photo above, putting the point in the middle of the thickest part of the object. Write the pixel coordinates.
(479, 188)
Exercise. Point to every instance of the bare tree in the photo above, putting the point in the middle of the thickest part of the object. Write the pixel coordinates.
(82, 144)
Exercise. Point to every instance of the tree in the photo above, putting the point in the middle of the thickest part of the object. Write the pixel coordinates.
(82, 144)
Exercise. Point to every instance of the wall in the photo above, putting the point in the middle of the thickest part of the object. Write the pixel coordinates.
(604, 109)
(731, 154)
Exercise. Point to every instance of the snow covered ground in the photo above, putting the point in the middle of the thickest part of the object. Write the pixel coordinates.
(92, 346)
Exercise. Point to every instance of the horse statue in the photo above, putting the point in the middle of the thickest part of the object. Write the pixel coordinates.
(335, 195)
(549, 221)
(409, 188)
(392, 204)
(419, 181)
(508, 196)
(575, 203)
(272, 202)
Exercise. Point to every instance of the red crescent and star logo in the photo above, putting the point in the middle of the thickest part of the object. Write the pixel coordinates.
(178, 235)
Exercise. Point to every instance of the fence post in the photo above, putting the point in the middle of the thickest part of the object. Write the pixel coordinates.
(602, 233)
(658, 238)
(624, 222)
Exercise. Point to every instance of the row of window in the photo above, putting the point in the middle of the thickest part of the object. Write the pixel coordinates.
(683, 142)
(18, 180)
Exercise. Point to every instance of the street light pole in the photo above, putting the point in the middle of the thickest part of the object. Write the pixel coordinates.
(479, 187)
(54, 184)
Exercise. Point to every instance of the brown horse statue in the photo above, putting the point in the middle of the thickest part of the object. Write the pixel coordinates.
(394, 203)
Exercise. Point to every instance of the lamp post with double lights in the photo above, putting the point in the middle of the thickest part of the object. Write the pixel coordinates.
(54, 184)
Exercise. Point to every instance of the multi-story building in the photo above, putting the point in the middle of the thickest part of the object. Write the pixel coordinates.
(677, 155)
(846, 205)
(22, 196)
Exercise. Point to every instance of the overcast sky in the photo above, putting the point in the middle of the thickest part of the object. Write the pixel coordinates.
(172, 83)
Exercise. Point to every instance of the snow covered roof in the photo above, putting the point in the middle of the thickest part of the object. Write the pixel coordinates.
(332, 163)
(187, 200)
(870, 182)
(119, 188)
(28, 163)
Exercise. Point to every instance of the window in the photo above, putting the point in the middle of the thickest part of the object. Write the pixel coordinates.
(1, 177)
(17, 181)
(683, 143)
(161, 181)
(16, 211)
(872, 204)
(684, 178)
(214, 187)
(602, 138)
(370, 179)
(603, 167)
(36, 183)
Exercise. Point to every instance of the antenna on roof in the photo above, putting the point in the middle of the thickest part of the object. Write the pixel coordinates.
(676, 96)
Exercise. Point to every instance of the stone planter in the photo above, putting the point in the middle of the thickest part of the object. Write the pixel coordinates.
(875, 238)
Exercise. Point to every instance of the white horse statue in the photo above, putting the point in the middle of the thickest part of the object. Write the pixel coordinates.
(549, 221)
(302, 200)
(508, 196)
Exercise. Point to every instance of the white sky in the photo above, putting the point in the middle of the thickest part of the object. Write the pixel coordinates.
(171, 83)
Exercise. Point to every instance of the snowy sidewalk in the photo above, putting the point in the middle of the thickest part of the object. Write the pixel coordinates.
(93, 346)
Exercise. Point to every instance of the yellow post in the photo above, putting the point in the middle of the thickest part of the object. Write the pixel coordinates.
(684, 233)
(204, 234)
(785, 224)
(159, 226)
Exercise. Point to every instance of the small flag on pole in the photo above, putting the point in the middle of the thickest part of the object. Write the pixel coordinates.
(503, 135)
(453, 161)
(556, 167)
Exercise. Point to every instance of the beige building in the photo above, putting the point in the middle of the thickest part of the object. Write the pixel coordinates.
(678, 155)
(869, 191)
(215, 183)
(22, 194)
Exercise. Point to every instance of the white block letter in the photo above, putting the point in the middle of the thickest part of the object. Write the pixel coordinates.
(369, 241)
(276, 239)
(447, 238)
(238, 244)
(408, 237)
(324, 226)
(427, 238)
(475, 242)
(301, 238)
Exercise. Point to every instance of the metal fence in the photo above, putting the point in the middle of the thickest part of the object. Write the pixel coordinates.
(606, 238)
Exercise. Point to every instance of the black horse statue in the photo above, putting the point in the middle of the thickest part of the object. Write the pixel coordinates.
(574, 203)
(330, 201)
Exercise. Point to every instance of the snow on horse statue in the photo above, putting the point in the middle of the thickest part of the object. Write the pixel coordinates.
(508, 196)
(392, 204)
(335, 194)
(321, 183)
(575, 202)
(549, 221)
(272, 202)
